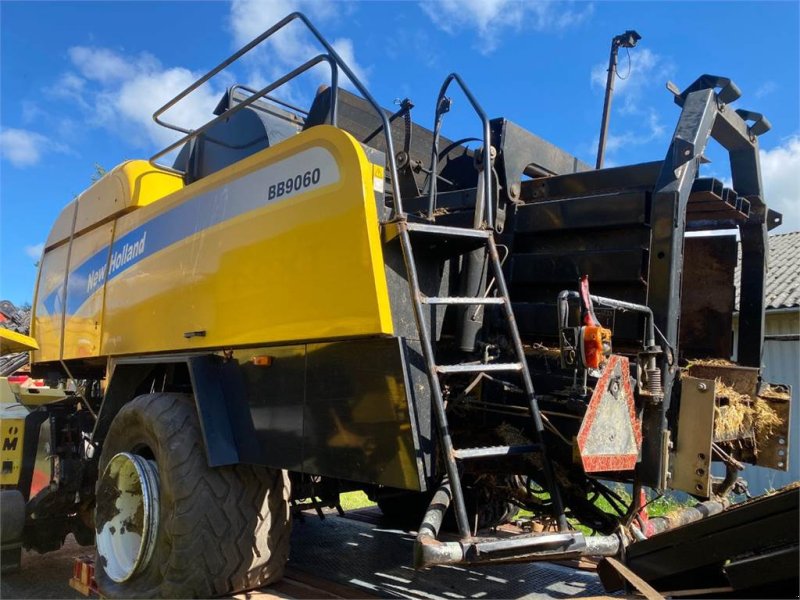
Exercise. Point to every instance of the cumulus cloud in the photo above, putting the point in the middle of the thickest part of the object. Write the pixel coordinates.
(137, 98)
(492, 19)
(779, 173)
(651, 130)
(24, 148)
(35, 251)
(101, 64)
(639, 74)
(635, 122)
(121, 93)
(291, 46)
(765, 89)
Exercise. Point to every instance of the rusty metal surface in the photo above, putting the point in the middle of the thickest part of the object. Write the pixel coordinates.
(610, 436)
(691, 465)
(707, 296)
(773, 450)
(705, 554)
(742, 379)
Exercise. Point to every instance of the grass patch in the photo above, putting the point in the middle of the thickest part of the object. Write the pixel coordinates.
(660, 507)
(354, 500)
(657, 508)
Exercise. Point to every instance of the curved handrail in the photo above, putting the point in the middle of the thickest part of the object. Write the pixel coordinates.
(336, 62)
(190, 134)
(487, 160)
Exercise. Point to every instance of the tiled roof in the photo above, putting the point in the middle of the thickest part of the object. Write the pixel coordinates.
(783, 277)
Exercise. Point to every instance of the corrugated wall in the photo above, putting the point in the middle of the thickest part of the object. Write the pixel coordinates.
(781, 365)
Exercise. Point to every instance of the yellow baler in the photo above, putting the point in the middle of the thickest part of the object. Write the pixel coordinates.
(296, 309)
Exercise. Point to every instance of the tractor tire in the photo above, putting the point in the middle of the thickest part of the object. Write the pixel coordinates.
(219, 530)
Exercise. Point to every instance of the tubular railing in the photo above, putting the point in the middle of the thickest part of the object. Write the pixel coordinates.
(441, 108)
(193, 133)
(331, 57)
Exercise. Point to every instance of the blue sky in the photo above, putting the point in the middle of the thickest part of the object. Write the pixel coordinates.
(79, 81)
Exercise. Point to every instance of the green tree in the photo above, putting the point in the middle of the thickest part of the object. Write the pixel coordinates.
(99, 171)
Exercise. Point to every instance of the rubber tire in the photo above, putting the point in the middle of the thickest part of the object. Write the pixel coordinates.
(222, 530)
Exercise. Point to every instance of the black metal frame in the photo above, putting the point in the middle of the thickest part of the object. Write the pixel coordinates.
(331, 57)
(483, 207)
(704, 115)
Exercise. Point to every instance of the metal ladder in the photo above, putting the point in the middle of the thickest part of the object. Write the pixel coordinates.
(454, 456)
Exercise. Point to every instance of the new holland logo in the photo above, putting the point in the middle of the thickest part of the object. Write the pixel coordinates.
(118, 260)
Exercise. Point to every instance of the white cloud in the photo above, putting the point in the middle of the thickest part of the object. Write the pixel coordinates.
(765, 89)
(492, 19)
(653, 130)
(120, 91)
(23, 148)
(645, 73)
(780, 174)
(140, 96)
(125, 91)
(291, 46)
(100, 64)
(250, 18)
(35, 251)
(344, 48)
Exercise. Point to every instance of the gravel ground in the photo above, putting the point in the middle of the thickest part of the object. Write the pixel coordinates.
(44, 575)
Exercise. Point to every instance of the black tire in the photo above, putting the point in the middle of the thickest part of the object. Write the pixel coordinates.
(222, 529)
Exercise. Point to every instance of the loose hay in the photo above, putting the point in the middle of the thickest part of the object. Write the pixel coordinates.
(710, 362)
(765, 419)
(743, 415)
(734, 419)
(776, 392)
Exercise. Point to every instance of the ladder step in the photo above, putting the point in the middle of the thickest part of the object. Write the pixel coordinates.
(490, 451)
(479, 368)
(462, 300)
(446, 231)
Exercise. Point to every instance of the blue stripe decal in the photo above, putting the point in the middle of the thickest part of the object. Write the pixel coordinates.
(177, 224)
(196, 214)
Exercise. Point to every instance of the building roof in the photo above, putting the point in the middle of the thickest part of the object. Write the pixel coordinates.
(783, 277)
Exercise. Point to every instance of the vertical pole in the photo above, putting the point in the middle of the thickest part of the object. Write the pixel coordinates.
(612, 71)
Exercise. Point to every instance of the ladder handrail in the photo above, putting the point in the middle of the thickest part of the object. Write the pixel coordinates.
(487, 159)
(336, 62)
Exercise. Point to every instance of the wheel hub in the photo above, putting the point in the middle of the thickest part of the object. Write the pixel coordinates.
(127, 515)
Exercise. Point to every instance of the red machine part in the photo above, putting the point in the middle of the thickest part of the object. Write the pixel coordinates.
(610, 436)
(594, 339)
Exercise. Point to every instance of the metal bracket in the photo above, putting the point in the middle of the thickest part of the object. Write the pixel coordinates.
(691, 468)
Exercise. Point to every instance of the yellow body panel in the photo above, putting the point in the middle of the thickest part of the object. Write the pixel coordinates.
(82, 327)
(240, 257)
(48, 306)
(128, 186)
(12, 341)
(12, 432)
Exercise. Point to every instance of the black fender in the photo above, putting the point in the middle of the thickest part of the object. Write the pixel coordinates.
(219, 394)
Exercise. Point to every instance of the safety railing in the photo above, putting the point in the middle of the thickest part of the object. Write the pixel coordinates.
(442, 107)
(331, 57)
